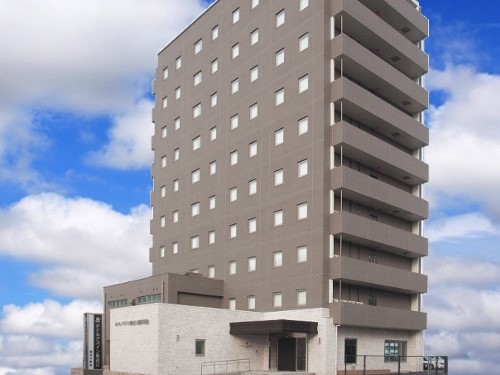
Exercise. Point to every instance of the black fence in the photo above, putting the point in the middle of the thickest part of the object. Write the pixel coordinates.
(392, 364)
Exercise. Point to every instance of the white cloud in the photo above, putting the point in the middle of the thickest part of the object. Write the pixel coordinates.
(469, 225)
(81, 242)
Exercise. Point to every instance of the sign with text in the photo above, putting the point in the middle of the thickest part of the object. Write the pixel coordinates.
(92, 345)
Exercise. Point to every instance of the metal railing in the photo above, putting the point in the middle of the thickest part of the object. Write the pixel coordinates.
(391, 365)
(225, 367)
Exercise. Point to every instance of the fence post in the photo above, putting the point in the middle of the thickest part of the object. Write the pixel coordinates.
(399, 364)
(345, 366)
(364, 365)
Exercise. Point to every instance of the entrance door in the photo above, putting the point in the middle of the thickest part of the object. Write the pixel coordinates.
(286, 354)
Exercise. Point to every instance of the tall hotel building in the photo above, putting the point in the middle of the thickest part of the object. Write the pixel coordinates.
(288, 171)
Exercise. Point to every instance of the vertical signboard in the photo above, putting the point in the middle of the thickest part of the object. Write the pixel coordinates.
(92, 348)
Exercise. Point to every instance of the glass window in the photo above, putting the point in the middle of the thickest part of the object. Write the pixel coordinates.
(195, 176)
(233, 194)
(178, 63)
(213, 167)
(252, 187)
(162, 222)
(215, 32)
(175, 216)
(164, 132)
(255, 3)
(199, 348)
(251, 302)
(176, 185)
(302, 167)
(252, 225)
(197, 78)
(232, 267)
(280, 57)
(303, 83)
(279, 137)
(198, 46)
(394, 349)
(175, 248)
(165, 102)
(252, 149)
(350, 349)
(235, 86)
(278, 258)
(211, 272)
(213, 100)
(162, 251)
(163, 161)
(254, 73)
(177, 153)
(280, 18)
(301, 297)
(211, 202)
(177, 123)
(178, 92)
(233, 231)
(301, 254)
(236, 15)
(304, 42)
(196, 143)
(252, 264)
(165, 73)
(303, 4)
(195, 209)
(213, 134)
(232, 303)
(277, 300)
(233, 158)
(195, 242)
(163, 191)
(235, 51)
(211, 237)
(278, 218)
(254, 37)
(254, 111)
(302, 211)
(215, 65)
(279, 97)
(303, 125)
(278, 177)
(197, 110)
(234, 121)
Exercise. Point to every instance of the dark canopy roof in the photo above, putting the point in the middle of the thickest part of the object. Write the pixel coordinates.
(281, 326)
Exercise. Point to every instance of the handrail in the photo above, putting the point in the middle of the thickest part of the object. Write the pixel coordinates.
(224, 367)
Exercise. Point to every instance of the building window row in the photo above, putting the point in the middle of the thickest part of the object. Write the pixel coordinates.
(277, 300)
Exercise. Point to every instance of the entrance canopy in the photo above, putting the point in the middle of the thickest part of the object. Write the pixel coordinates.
(281, 326)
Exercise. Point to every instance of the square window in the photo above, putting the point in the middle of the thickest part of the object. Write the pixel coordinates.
(177, 154)
(254, 111)
(252, 187)
(233, 231)
(163, 161)
(252, 149)
(251, 302)
(211, 272)
(277, 300)
(213, 100)
(254, 3)
(232, 303)
(252, 264)
(196, 143)
(195, 176)
(303, 4)
(279, 137)
(177, 123)
(235, 51)
(235, 86)
(278, 218)
(164, 132)
(232, 267)
(198, 46)
(304, 42)
(301, 297)
(252, 225)
(176, 185)
(279, 97)
(215, 65)
(211, 202)
(303, 84)
(175, 217)
(303, 125)
(302, 211)
(197, 110)
(280, 18)
(254, 73)
(197, 78)
(302, 167)
(278, 177)
(165, 73)
(175, 248)
(213, 134)
(162, 222)
(211, 237)
(213, 167)
(280, 57)
(233, 194)
(165, 102)
(277, 258)
(178, 63)
(199, 348)
(236, 15)
(215, 32)
(162, 251)
(195, 242)
(178, 92)
(233, 157)
(254, 37)
(302, 254)
(234, 122)
(163, 191)
(195, 209)
(350, 350)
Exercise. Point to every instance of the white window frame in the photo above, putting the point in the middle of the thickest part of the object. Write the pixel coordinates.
(212, 202)
(164, 132)
(252, 187)
(235, 86)
(196, 143)
(303, 4)
(163, 161)
(233, 194)
(177, 154)
(279, 176)
(303, 83)
(197, 78)
(280, 18)
(195, 242)
(279, 137)
(254, 73)
(215, 32)
(302, 168)
(178, 92)
(233, 231)
(303, 125)
(178, 63)
(213, 167)
(177, 123)
(197, 111)
(302, 211)
(164, 102)
(235, 51)
(163, 222)
(162, 251)
(236, 15)
(254, 37)
(301, 297)
(213, 133)
(302, 254)
(252, 225)
(195, 176)
(252, 264)
(165, 72)
(198, 46)
(175, 247)
(279, 57)
(213, 99)
(303, 42)
(175, 216)
(279, 97)
(163, 191)
(254, 111)
(234, 121)
(214, 66)
(277, 259)
(277, 300)
(252, 149)
(211, 272)
(195, 209)
(278, 218)
(233, 158)
(254, 4)
(176, 185)
(251, 302)
(211, 237)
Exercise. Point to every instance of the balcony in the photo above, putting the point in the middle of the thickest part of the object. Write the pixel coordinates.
(379, 195)
(368, 29)
(366, 232)
(378, 75)
(358, 272)
(360, 315)
(379, 155)
(362, 105)
(402, 16)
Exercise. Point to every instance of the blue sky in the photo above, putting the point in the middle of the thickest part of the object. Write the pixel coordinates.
(75, 128)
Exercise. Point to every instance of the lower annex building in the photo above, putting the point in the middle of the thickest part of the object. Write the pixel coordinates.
(287, 195)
